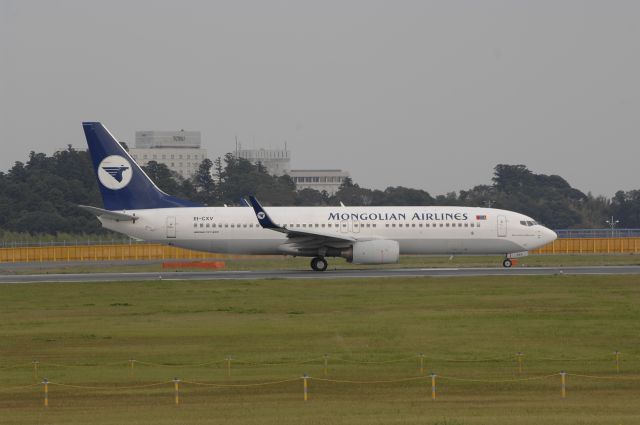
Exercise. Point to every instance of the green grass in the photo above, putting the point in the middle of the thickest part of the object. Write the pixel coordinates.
(289, 263)
(83, 334)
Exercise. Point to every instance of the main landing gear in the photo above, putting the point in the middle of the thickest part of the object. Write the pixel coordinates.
(319, 264)
(507, 263)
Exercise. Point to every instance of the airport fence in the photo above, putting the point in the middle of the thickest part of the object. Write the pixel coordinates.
(147, 251)
(110, 252)
(433, 384)
(591, 246)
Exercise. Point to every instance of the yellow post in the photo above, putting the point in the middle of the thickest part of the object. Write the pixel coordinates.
(326, 361)
(433, 386)
(519, 357)
(35, 369)
(617, 354)
(228, 359)
(305, 386)
(45, 381)
(563, 381)
(176, 387)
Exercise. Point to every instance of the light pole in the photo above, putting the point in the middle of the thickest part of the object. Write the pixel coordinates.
(612, 223)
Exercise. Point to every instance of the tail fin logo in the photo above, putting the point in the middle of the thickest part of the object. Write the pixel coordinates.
(114, 172)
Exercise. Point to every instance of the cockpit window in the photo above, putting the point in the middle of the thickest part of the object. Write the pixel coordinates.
(528, 223)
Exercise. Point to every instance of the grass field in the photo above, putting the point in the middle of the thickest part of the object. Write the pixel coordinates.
(469, 328)
(289, 263)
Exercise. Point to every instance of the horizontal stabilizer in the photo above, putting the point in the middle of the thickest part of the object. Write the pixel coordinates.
(111, 215)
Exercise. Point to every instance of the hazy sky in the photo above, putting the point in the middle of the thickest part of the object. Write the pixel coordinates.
(423, 94)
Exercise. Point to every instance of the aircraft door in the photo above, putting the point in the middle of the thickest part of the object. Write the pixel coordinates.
(502, 226)
(345, 226)
(171, 227)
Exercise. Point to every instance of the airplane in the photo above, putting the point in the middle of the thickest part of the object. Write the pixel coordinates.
(135, 206)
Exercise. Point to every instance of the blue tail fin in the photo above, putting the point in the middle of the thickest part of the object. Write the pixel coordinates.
(123, 184)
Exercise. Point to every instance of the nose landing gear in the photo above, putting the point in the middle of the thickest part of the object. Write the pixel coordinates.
(507, 263)
(319, 264)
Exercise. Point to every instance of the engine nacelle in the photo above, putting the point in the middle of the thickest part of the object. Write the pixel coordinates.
(373, 252)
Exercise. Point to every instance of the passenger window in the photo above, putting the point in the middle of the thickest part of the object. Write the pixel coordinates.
(323, 224)
(317, 225)
(374, 225)
(413, 225)
(208, 225)
(386, 225)
(466, 224)
(472, 225)
(478, 225)
(368, 225)
(400, 225)
(201, 225)
(393, 225)
(329, 225)
(459, 224)
(441, 225)
(195, 224)
(244, 225)
(447, 224)
(232, 225)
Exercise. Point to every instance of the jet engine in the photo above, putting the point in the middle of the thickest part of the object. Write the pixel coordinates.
(373, 252)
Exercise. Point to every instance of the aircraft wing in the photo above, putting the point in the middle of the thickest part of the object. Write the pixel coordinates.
(112, 215)
(299, 239)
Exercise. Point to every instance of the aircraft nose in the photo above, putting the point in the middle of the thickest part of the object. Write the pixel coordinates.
(550, 235)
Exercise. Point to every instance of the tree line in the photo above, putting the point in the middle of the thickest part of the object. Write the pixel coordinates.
(41, 195)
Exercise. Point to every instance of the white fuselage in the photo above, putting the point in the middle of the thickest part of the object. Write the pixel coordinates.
(418, 230)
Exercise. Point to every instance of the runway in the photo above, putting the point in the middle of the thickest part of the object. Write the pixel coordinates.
(329, 274)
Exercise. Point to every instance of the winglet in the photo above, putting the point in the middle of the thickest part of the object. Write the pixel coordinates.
(262, 216)
(243, 202)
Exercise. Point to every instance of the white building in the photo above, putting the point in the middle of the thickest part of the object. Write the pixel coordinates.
(276, 161)
(328, 180)
(180, 150)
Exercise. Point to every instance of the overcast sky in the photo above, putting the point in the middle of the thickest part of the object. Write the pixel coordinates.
(422, 94)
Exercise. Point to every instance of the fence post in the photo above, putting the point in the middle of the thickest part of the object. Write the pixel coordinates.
(519, 355)
(326, 361)
(563, 381)
(421, 356)
(35, 369)
(176, 387)
(305, 386)
(433, 386)
(617, 354)
(45, 382)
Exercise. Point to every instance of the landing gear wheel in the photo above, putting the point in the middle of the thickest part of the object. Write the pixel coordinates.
(507, 263)
(319, 264)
